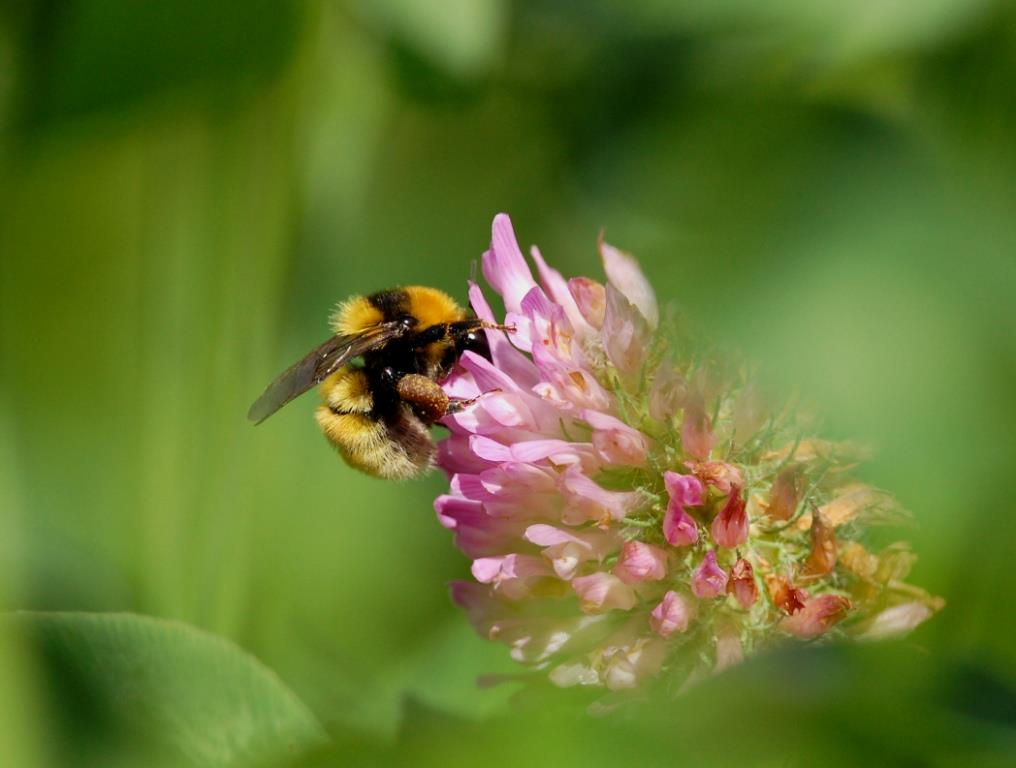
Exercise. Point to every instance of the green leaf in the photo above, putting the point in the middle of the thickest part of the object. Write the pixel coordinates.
(444, 675)
(136, 686)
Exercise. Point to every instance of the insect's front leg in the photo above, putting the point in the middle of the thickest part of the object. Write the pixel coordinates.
(458, 331)
(454, 406)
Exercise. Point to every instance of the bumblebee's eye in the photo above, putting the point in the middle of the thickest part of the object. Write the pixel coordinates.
(476, 341)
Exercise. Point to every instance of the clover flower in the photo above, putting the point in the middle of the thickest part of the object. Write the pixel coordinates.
(632, 514)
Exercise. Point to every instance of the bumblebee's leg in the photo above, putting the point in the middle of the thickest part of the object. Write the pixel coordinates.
(428, 399)
(458, 332)
(425, 395)
(454, 406)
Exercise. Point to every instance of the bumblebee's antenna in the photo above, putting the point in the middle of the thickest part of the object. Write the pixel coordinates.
(509, 328)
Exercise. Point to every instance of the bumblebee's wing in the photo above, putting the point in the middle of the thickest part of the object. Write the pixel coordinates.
(321, 363)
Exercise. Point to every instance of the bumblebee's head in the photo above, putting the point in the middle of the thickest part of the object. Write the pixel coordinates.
(474, 340)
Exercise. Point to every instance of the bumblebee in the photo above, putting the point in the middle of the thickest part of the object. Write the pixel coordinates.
(380, 377)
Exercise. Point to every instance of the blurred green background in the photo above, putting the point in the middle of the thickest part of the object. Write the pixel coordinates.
(188, 188)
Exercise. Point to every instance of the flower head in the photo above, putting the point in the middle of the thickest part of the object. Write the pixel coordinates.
(622, 498)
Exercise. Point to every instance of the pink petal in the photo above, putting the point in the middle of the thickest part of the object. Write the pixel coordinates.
(522, 337)
(730, 526)
(557, 287)
(548, 318)
(625, 667)
(601, 592)
(673, 614)
(506, 358)
(625, 335)
(535, 639)
(486, 569)
(594, 542)
(742, 583)
(450, 509)
(818, 614)
(455, 454)
(487, 375)
(679, 528)
(719, 474)
(504, 267)
(470, 486)
(696, 432)
(668, 393)
(565, 559)
(496, 418)
(567, 384)
(567, 550)
(615, 441)
(591, 299)
(585, 500)
(537, 450)
(488, 449)
(685, 490)
(513, 405)
(624, 273)
(573, 673)
(490, 484)
(519, 480)
(461, 385)
(509, 410)
(709, 580)
(729, 650)
(477, 534)
(897, 620)
(641, 562)
(512, 575)
(481, 607)
(557, 452)
(521, 566)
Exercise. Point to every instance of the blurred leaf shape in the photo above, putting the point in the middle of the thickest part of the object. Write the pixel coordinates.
(452, 671)
(825, 32)
(835, 705)
(106, 54)
(132, 685)
(462, 37)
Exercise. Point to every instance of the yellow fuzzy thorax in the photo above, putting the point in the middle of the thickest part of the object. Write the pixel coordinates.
(355, 316)
(429, 306)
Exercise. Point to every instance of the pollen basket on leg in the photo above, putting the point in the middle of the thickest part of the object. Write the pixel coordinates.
(425, 395)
